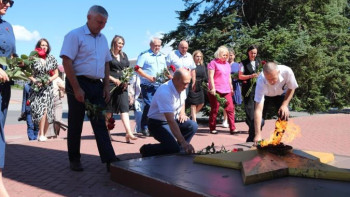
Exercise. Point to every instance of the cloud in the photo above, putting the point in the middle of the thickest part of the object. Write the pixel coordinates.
(166, 48)
(23, 34)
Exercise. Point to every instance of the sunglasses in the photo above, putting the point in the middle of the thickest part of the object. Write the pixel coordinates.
(5, 2)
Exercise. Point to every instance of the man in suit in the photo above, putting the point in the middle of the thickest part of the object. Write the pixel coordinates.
(86, 58)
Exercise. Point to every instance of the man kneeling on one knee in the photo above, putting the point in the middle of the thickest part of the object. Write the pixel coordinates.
(167, 121)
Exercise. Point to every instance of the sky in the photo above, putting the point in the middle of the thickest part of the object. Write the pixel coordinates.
(136, 20)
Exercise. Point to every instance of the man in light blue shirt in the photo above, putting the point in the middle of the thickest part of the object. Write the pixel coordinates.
(86, 58)
(168, 122)
(181, 58)
(150, 64)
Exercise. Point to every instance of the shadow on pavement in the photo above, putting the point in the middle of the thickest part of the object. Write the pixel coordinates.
(46, 169)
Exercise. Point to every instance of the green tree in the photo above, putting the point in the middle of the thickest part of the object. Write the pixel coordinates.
(310, 36)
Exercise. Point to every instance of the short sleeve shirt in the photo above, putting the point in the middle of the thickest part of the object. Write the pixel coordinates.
(166, 100)
(180, 61)
(286, 80)
(235, 67)
(7, 39)
(222, 75)
(151, 64)
(89, 53)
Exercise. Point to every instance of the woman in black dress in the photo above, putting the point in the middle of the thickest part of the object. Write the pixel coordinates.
(196, 95)
(119, 102)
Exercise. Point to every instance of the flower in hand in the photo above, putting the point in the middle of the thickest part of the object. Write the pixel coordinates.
(172, 68)
(41, 53)
(111, 123)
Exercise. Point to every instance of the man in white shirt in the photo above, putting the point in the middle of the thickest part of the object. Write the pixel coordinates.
(167, 121)
(275, 87)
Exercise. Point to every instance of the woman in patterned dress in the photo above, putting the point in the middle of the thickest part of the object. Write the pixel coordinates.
(119, 102)
(41, 101)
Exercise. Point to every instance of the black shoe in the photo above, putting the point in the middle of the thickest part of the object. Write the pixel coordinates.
(250, 139)
(145, 132)
(22, 117)
(76, 166)
(142, 151)
(108, 164)
(234, 132)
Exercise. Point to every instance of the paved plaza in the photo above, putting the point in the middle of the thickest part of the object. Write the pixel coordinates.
(35, 168)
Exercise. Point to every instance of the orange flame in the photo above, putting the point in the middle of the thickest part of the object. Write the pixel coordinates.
(287, 130)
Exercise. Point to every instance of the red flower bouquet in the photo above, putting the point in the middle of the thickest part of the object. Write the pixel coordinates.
(51, 73)
(41, 53)
(137, 68)
(172, 68)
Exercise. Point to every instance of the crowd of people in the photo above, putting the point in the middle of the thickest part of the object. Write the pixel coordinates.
(159, 90)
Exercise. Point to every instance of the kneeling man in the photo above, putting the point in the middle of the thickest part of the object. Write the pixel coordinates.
(275, 88)
(167, 121)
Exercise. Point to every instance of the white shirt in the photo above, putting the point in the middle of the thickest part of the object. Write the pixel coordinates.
(180, 61)
(286, 80)
(89, 53)
(253, 63)
(166, 100)
(134, 88)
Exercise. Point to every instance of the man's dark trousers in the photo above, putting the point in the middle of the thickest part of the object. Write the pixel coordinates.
(147, 94)
(94, 93)
(168, 143)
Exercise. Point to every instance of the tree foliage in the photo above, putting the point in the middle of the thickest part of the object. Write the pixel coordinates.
(310, 36)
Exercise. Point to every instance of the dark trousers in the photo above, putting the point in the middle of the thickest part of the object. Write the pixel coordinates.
(272, 105)
(160, 130)
(76, 113)
(5, 94)
(32, 128)
(147, 92)
(249, 106)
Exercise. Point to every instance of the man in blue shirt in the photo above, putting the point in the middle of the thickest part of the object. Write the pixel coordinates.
(86, 58)
(150, 64)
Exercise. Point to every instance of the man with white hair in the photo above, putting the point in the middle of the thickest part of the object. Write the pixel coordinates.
(86, 58)
(275, 87)
(148, 65)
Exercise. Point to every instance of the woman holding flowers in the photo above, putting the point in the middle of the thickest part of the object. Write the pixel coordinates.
(41, 98)
(119, 102)
(196, 96)
(248, 74)
(220, 85)
(8, 48)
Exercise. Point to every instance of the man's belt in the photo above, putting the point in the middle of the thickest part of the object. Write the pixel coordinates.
(82, 77)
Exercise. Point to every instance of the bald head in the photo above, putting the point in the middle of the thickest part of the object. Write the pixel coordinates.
(181, 79)
(183, 47)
